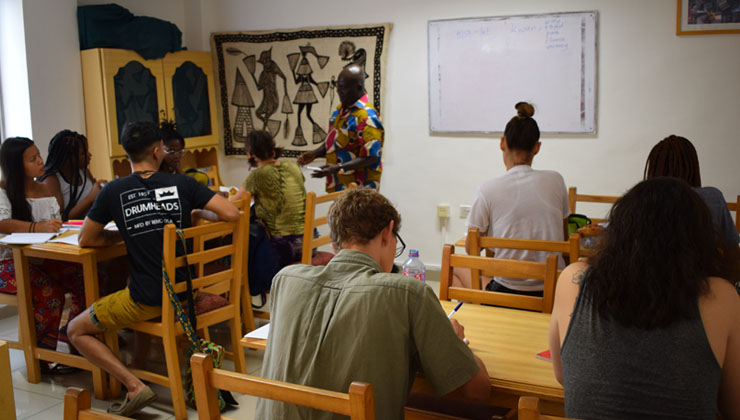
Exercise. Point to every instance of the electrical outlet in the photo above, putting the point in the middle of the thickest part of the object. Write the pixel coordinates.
(464, 210)
(443, 210)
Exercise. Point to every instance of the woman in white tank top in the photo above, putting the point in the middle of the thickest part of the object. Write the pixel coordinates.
(67, 175)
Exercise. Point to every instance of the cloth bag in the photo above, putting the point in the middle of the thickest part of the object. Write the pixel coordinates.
(196, 344)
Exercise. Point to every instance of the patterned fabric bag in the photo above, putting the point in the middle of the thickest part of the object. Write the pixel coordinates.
(196, 344)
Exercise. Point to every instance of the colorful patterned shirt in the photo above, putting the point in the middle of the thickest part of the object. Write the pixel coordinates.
(354, 132)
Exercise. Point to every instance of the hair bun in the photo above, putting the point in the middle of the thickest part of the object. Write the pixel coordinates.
(524, 110)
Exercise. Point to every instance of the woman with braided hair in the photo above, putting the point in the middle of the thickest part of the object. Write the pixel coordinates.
(67, 175)
(676, 157)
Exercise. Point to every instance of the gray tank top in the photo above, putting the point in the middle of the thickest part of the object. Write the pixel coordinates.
(615, 372)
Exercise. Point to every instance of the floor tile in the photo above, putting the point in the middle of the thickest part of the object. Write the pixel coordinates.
(30, 403)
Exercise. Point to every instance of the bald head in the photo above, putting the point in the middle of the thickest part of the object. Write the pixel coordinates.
(350, 85)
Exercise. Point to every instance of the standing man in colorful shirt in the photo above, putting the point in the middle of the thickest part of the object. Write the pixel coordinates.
(354, 144)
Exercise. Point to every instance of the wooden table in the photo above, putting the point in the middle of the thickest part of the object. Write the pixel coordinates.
(507, 341)
(88, 258)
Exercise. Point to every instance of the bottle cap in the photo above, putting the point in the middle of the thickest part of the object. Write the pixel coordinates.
(413, 252)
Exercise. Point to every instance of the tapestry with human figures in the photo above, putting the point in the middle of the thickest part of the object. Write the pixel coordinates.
(284, 81)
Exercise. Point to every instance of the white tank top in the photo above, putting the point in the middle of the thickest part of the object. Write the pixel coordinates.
(66, 188)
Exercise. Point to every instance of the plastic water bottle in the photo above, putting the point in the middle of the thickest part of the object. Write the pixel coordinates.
(413, 267)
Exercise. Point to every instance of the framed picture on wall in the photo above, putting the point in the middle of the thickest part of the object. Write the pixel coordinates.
(700, 17)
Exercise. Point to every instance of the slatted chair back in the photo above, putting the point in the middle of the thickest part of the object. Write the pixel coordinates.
(313, 221)
(476, 243)
(7, 401)
(77, 407)
(574, 197)
(529, 409)
(547, 272)
(358, 403)
(226, 283)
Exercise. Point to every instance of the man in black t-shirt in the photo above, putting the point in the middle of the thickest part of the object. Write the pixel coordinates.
(141, 204)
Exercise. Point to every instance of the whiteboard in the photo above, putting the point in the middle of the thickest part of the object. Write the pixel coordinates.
(480, 68)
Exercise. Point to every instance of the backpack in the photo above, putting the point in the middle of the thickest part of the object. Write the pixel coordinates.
(264, 261)
(576, 221)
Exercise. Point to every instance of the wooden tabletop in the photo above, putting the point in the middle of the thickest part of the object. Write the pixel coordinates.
(507, 341)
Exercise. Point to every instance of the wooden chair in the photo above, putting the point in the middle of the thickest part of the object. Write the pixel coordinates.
(227, 282)
(529, 409)
(476, 243)
(77, 407)
(574, 197)
(733, 206)
(358, 403)
(546, 271)
(7, 401)
(12, 300)
(311, 222)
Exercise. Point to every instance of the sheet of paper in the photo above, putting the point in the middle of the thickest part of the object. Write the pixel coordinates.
(259, 333)
(70, 239)
(111, 226)
(27, 238)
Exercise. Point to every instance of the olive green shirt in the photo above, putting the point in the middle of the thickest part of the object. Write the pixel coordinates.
(279, 197)
(349, 321)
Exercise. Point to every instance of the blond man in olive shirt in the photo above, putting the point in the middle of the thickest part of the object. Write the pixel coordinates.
(353, 320)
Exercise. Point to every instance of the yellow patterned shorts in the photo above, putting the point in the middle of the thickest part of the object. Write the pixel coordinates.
(118, 310)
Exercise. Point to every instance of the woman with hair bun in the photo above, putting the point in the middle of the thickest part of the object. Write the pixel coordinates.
(523, 203)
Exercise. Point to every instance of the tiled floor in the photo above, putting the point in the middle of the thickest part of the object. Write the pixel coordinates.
(45, 400)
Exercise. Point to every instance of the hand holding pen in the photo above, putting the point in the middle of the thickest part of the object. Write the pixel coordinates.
(459, 329)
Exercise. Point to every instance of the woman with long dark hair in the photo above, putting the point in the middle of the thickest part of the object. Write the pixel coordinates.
(650, 326)
(29, 206)
(68, 176)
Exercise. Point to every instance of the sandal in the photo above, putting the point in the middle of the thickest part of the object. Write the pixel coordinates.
(129, 407)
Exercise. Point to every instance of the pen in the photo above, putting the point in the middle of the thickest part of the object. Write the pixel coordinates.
(454, 310)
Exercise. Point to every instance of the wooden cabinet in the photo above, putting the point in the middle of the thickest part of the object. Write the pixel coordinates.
(120, 86)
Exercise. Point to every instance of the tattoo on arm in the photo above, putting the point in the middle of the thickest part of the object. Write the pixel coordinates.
(578, 277)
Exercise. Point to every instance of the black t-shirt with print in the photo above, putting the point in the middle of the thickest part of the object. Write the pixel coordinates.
(141, 207)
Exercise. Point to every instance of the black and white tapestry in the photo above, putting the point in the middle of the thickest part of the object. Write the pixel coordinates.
(284, 81)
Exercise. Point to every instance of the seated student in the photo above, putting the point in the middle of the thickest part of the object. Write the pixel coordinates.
(174, 148)
(126, 201)
(30, 206)
(352, 320)
(648, 329)
(279, 195)
(675, 156)
(523, 203)
(68, 176)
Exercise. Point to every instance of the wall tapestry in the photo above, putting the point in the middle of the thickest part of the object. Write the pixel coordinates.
(284, 81)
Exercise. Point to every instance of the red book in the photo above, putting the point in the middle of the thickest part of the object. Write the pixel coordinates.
(545, 355)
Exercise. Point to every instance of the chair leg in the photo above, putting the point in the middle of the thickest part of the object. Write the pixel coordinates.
(172, 357)
(240, 363)
(247, 313)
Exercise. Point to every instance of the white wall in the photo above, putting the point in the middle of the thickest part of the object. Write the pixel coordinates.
(651, 84)
(54, 69)
(13, 73)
